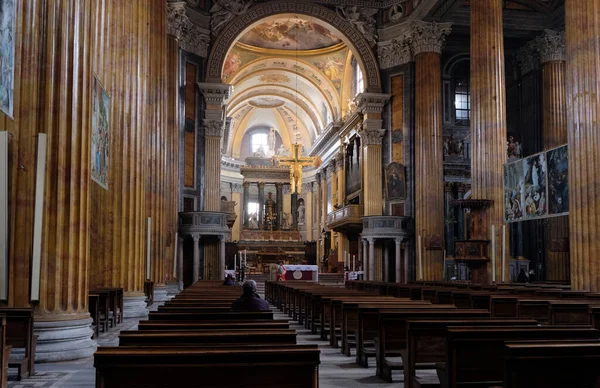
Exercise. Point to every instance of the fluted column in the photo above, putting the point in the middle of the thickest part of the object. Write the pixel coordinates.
(246, 188)
(196, 271)
(341, 177)
(488, 115)
(398, 242)
(582, 24)
(62, 311)
(427, 40)
(551, 46)
(180, 263)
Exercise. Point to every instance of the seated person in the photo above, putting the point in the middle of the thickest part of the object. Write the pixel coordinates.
(250, 301)
(229, 281)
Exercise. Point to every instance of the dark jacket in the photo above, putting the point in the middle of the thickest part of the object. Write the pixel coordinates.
(250, 303)
(229, 282)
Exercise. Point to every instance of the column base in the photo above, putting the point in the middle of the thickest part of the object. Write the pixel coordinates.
(174, 288)
(62, 340)
(134, 306)
(160, 294)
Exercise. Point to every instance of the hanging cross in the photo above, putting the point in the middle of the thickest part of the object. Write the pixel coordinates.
(296, 162)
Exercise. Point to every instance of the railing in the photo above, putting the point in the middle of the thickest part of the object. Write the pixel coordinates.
(386, 226)
(349, 215)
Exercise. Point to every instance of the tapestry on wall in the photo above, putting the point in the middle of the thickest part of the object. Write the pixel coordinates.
(100, 134)
(536, 186)
(7, 55)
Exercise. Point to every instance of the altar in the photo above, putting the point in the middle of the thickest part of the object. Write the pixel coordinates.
(301, 272)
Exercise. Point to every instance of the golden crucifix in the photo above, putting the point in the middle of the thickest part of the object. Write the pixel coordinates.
(296, 162)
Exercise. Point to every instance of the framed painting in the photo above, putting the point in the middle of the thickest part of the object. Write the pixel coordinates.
(7, 55)
(395, 181)
(100, 134)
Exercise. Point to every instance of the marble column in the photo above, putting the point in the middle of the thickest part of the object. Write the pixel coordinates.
(180, 262)
(196, 273)
(427, 40)
(279, 199)
(386, 262)
(365, 259)
(261, 203)
(398, 242)
(582, 23)
(371, 105)
(371, 258)
(488, 116)
(246, 188)
(222, 239)
(551, 46)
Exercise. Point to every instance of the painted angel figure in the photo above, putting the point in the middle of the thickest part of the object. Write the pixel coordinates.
(224, 10)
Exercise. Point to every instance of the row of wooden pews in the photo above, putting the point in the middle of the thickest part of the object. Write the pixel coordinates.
(469, 334)
(195, 340)
(16, 332)
(106, 308)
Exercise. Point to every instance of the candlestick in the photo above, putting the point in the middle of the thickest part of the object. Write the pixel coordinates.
(420, 257)
(503, 250)
(493, 253)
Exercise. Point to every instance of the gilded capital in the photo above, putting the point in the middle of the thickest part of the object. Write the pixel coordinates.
(551, 46)
(428, 37)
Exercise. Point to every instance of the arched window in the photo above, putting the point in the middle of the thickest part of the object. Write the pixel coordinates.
(360, 84)
(259, 140)
(462, 99)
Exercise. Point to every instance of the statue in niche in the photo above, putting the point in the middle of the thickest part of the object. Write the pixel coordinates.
(259, 153)
(301, 213)
(270, 212)
(285, 222)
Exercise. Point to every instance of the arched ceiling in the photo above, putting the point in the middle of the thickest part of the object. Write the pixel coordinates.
(288, 72)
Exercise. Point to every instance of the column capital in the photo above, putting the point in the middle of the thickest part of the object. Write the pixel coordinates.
(222, 237)
(551, 46)
(329, 169)
(191, 37)
(339, 160)
(196, 236)
(318, 178)
(398, 241)
(395, 52)
(213, 128)
(527, 57)
(428, 37)
(278, 185)
(371, 240)
(370, 136)
(261, 185)
(246, 185)
(307, 187)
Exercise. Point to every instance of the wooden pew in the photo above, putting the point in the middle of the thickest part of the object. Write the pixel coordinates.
(94, 309)
(216, 316)
(201, 338)
(368, 327)
(288, 366)
(19, 334)
(426, 343)
(226, 325)
(573, 364)
(474, 355)
(392, 328)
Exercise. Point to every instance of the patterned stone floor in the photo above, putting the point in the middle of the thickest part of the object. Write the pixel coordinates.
(336, 370)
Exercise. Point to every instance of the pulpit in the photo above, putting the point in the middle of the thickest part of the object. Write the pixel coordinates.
(474, 249)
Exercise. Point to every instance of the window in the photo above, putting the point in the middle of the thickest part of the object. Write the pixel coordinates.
(259, 140)
(360, 86)
(252, 208)
(462, 100)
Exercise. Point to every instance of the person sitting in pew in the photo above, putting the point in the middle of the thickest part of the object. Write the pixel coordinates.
(229, 281)
(250, 301)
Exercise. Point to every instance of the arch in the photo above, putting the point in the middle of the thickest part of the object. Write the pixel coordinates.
(453, 61)
(353, 39)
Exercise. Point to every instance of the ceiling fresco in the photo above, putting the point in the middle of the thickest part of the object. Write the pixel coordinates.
(290, 34)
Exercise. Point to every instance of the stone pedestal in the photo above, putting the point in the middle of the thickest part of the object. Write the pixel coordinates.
(63, 340)
(161, 294)
(488, 115)
(582, 23)
(134, 305)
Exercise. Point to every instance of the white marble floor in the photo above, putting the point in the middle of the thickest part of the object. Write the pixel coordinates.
(336, 370)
